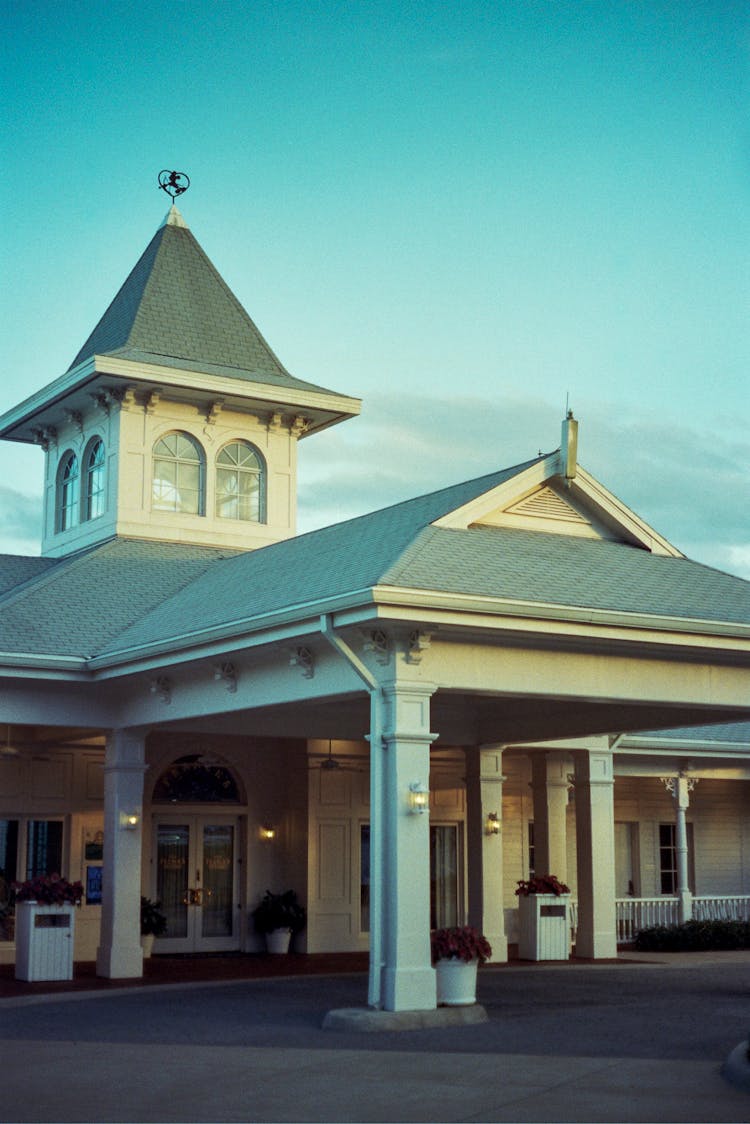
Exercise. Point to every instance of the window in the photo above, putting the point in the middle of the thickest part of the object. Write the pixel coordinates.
(68, 492)
(240, 483)
(28, 848)
(443, 875)
(532, 851)
(94, 479)
(178, 475)
(668, 858)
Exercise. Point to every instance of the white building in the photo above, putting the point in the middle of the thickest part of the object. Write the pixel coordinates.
(181, 673)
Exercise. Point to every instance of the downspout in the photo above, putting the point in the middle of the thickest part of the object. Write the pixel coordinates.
(376, 794)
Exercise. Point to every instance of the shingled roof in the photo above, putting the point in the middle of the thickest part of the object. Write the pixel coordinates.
(174, 309)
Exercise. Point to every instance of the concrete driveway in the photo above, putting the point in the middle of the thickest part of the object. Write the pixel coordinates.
(632, 1041)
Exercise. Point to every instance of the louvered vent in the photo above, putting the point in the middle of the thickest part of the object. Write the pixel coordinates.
(547, 504)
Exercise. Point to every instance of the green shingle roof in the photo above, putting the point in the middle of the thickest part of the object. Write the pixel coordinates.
(175, 310)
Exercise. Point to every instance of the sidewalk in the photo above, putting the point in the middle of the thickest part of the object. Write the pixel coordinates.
(639, 1040)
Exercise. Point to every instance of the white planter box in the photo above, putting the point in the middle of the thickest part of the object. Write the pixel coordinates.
(456, 982)
(278, 940)
(44, 941)
(544, 930)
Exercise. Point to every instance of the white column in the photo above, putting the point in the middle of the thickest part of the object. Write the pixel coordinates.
(595, 839)
(408, 978)
(484, 798)
(549, 783)
(681, 793)
(119, 954)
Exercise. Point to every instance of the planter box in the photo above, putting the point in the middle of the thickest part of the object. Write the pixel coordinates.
(456, 982)
(44, 941)
(544, 931)
(278, 940)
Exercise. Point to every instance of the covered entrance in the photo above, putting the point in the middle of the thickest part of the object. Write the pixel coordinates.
(196, 879)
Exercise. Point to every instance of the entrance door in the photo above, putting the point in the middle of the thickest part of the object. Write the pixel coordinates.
(197, 882)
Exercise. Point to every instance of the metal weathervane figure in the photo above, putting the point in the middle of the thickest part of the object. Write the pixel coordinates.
(174, 183)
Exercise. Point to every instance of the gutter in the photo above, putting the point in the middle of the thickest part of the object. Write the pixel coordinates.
(377, 746)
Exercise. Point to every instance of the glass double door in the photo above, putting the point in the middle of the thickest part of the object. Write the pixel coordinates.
(197, 882)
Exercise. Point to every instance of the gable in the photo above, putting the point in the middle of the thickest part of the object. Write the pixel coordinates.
(545, 509)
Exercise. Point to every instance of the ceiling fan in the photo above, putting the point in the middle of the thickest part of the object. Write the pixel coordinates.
(331, 764)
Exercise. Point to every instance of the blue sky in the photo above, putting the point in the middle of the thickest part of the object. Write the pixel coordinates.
(462, 213)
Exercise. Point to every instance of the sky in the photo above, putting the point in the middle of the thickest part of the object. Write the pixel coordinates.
(467, 214)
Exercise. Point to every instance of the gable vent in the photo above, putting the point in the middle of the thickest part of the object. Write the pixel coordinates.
(547, 504)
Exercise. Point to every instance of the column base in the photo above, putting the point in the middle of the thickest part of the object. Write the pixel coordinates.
(121, 963)
(602, 946)
(362, 1019)
(499, 946)
(409, 989)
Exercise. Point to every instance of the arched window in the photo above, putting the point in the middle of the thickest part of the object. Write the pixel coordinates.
(197, 779)
(94, 482)
(240, 483)
(178, 475)
(68, 491)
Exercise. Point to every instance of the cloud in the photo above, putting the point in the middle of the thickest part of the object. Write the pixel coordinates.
(687, 482)
(20, 522)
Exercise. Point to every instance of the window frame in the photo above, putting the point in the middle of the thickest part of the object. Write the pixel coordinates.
(67, 492)
(200, 460)
(260, 474)
(89, 473)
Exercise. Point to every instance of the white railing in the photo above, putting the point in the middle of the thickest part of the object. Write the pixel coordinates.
(633, 914)
(723, 907)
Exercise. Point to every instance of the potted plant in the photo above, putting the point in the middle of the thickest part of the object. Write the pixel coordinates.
(153, 924)
(279, 917)
(456, 954)
(544, 933)
(45, 917)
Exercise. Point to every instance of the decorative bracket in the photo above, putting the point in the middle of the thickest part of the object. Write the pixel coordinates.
(378, 643)
(122, 396)
(304, 660)
(75, 419)
(227, 674)
(162, 687)
(102, 400)
(298, 426)
(152, 401)
(418, 642)
(214, 410)
(274, 421)
(670, 783)
(46, 436)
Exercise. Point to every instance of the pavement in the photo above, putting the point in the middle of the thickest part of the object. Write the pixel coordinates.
(640, 1039)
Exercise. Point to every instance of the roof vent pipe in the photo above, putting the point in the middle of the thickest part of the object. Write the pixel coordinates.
(569, 448)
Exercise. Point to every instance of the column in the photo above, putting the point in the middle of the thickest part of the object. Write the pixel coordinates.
(681, 787)
(595, 840)
(549, 784)
(484, 838)
(119, 954)
(408, 978)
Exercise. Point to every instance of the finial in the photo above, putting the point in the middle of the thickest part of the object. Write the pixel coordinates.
(174, 183)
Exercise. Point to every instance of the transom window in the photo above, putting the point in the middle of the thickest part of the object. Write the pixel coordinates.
(68, 491)
(94, 482)
(240, 483)
(178, 475)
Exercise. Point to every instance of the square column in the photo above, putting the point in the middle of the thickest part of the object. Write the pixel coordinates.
(408, 978)
(595, 839)
(119, 954)
(549, 783)
(484, 798)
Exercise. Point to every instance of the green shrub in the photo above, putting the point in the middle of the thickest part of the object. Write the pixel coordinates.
(694, 936)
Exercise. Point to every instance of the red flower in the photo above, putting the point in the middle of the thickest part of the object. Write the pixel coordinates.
(460, 943)
(541, 884)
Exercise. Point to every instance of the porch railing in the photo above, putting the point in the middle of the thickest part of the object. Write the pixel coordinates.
(633, 914)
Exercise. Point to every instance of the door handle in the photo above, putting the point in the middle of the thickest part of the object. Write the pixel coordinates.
(195, 897)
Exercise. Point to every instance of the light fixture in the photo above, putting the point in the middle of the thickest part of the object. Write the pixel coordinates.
(129, 821)
(267, 833)
(419, 798)
(492, 826)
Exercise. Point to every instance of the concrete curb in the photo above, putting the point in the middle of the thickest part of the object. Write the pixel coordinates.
(736, 1069)
(363, 1019)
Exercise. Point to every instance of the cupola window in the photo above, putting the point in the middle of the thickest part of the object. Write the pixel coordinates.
(68, 491)
(94, 479)
(178, 475)
(240, 483)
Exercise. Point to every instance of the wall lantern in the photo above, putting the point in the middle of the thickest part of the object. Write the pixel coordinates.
(129, 821)
(492, 826)
(267, 833)
(419, 798)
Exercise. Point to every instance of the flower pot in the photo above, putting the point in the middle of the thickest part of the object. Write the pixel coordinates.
(456, 982)
(147, 944)
(277, 941)
(44, 941)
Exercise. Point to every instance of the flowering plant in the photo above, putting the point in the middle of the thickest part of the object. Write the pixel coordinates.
(460, 943)
(541, 884)
(48, 889)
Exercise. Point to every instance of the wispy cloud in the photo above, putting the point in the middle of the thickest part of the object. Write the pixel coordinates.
(686, 482)
(20, 522)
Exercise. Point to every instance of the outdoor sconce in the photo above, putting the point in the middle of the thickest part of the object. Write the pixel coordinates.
(419, 798)
(493, 824)
(267, 834)
(129, 821)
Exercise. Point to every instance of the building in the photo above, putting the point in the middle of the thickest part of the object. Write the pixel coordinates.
(198, 704)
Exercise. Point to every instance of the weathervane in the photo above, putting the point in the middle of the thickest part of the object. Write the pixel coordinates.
(174, 183)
